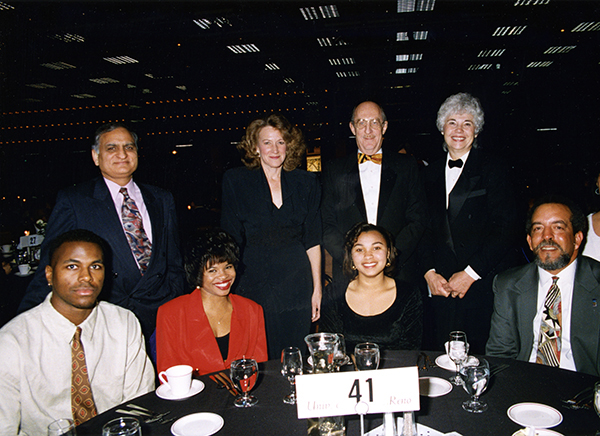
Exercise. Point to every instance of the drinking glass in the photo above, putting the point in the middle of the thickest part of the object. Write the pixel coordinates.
(63, 426)
(367, 356)
(475, 380)
(597, 397)
(122, 427)
(291, 366)
(244, 373)
(340, 358)
(458, 351)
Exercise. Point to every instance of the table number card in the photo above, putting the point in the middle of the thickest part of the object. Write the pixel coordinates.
(335, 394)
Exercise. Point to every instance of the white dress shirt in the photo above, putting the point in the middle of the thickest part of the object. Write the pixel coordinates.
(592, 245)
(370, 182)
(35, 369)
(566, 278)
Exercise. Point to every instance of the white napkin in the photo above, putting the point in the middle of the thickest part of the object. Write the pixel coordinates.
(422, 430)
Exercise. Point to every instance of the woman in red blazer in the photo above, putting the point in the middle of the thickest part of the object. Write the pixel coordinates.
(210, 328)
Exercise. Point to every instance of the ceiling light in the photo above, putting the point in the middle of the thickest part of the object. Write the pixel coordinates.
(58, 66)
(420, 35)
(479, 67)
(271, 67)
(589, 26)
(415, 5)
(509, 30)
(531, 2)
(288, 80)
(69, 37)
(402, 36)
(406, 70)
(347, 73)
(83, 96)
(311, 12)
(342, 61)
(560, 50)
(244, 48)
(40, 85)
(203, 23)
(546, 129)
(5, 6)
(104, 80)
(182, 87)
(540, 64)
(491, 53)
(121, 60)
(331, 42)
(510, 83)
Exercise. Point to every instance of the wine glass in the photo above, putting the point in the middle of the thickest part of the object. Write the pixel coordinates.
(291, 366)
(475, 380)
(63, 426)
(458, 350)
(340, 358)
(244, 373)
(367, 356)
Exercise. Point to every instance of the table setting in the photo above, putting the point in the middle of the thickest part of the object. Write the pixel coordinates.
(521, 399)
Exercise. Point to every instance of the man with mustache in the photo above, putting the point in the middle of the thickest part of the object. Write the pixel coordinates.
(547, 312)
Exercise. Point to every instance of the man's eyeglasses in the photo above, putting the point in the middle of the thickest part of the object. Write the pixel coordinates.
(375, 124)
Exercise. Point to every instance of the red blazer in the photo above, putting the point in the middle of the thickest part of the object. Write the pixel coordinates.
(184, 336)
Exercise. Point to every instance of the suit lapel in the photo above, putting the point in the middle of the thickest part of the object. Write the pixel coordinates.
(526, 307)
(585, 322)
(386, 185)
(353, 184)
(155, 212)
(464, 185)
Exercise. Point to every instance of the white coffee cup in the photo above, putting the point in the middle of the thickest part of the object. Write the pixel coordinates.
(178, 378)
(24, 269)
(6, 248)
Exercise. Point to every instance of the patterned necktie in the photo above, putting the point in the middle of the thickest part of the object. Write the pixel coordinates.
(134, 229)
(375, 158)
(82, 402)
(549, 344)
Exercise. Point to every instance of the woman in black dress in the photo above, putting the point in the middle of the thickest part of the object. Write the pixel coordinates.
(274, 216)
(375, 307)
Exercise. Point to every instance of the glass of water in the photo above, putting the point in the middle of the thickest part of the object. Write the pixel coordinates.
(122, 427)
(367, 356)
(475, 380)
(63, 426)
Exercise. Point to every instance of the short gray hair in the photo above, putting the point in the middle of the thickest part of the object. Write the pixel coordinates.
(109, 128)
(459, 104)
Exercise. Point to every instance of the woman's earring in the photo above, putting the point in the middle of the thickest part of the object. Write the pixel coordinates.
(353, 266)
(388, 262)
(597, 191)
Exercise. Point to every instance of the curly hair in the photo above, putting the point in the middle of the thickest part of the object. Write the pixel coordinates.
(459, 104)
(351, 238)
(210, 247)
(294, 141)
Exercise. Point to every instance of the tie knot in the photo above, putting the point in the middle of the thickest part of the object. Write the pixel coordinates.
(375, 158)
(77, 335)
(123, 191)
(458, 163)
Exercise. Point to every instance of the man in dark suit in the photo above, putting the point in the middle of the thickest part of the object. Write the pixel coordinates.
(132, 281)
(473, 223)
(375, 187)
(547, 312)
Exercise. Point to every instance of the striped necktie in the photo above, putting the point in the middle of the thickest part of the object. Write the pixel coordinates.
(549, 343)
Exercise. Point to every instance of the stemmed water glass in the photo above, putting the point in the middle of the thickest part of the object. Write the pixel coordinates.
(458, 351)
(291, 366)
(367, 356)
(475, 380)
(244, 373)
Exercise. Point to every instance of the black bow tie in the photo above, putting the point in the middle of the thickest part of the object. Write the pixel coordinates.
(455, 163)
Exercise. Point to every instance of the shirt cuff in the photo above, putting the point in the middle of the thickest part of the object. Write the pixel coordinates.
(472, 273)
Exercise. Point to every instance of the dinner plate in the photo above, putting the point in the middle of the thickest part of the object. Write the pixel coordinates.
(534, 415)
(197, 424)
(538, 432)
(444, 361)
(164, 391)
(434, 386)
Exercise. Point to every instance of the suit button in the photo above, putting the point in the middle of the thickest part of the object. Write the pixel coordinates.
(115, 275)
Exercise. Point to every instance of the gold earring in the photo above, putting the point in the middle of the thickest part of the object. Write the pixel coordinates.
(353, 266)
(388, 262)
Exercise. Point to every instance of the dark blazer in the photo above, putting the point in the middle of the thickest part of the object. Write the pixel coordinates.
(401, 207)
(89, 205)
(515, 300)
(478, 229)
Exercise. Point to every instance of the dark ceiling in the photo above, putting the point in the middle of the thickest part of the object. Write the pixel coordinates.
(188, 87)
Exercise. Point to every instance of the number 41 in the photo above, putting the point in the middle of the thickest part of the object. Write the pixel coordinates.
(355, 390)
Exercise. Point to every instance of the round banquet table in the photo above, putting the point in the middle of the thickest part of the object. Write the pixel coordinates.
(520, 382)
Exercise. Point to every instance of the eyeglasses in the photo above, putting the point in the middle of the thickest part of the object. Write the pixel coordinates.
(376, 124)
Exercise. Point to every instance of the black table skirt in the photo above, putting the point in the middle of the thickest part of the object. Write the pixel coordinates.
(521, 382)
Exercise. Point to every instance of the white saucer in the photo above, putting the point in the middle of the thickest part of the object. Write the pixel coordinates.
(18, 274)
(164, 391)
(538, 432)
(434, 386)
(444, 361)
(197, 424)
(534, 415)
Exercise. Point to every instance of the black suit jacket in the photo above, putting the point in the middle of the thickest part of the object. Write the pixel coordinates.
(480, 224)
(401, 207)
(89, 205)
(515, 300)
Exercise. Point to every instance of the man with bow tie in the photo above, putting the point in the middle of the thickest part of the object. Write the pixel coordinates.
(472, 226)
(375, 187)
